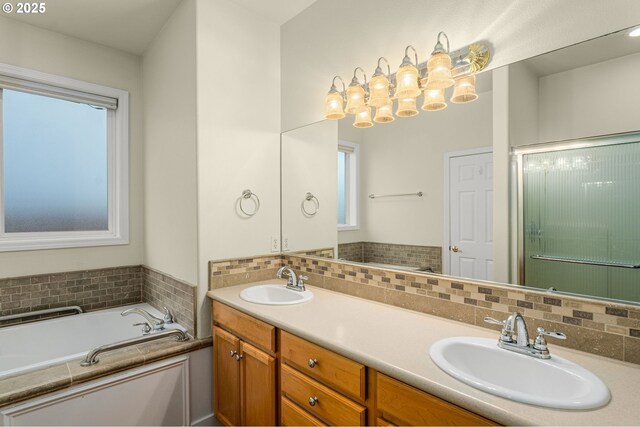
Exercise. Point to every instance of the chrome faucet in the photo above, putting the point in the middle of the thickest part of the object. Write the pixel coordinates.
(152, 322)
(520, 344)
(294, 282)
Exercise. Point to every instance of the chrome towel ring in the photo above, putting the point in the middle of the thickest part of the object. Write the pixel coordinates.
(310, 198)
(248, 194)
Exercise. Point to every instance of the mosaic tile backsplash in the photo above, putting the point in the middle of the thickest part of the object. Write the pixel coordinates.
(394, 254)
(599, 327)
(98, 289)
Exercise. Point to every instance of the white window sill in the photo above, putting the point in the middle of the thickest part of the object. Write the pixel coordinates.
(348, 227)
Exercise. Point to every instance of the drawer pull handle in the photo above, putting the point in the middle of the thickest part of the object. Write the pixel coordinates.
(313, 401)
(312, 363)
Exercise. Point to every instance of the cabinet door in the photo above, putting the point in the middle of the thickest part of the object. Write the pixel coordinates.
(257, 387)
(226, 377)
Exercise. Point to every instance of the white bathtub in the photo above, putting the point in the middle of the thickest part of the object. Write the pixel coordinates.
(44, 343)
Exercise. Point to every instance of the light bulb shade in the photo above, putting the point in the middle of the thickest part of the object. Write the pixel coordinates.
(439, 71)
(407, 82)
(406, 107)
(379, 91)
(434, 100)
(464, 90)
(355, 99)
(384, 113)
(363, 119)
(333, 106)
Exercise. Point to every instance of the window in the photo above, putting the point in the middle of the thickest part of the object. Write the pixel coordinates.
(348, 153)
(63, 162)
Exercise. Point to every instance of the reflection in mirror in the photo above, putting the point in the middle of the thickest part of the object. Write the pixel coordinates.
(572, 205)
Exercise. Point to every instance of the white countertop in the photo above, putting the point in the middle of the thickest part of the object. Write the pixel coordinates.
(396, 342)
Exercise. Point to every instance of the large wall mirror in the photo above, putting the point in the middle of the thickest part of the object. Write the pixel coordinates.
(418, 194)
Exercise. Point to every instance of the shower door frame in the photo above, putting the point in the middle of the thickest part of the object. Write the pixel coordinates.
(518, 153)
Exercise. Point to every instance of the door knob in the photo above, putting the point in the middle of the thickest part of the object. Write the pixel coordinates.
(455, 248)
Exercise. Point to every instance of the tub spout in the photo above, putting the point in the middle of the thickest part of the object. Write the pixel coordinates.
(156, 323)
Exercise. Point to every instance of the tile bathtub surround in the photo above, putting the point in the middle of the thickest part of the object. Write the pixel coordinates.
(90, 289)
(394, 254)
(599, 327)
(161, 290)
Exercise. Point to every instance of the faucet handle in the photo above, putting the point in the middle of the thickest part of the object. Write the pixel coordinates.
(168, 316)
(146, 328)
(541, 343)
(493, 321)
(553, 334)
(301, 280)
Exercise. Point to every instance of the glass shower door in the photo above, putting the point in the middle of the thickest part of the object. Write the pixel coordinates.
(582, 207)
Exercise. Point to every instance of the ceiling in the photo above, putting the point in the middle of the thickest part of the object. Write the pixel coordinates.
(127, 25)
(130, 25)
(278, 11)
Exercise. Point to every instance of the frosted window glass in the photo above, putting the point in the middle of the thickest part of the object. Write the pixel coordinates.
(54, 164)
(583, 204)
(342, 187)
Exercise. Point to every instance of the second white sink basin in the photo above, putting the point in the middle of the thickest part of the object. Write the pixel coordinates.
(274, 294)
(553, 383)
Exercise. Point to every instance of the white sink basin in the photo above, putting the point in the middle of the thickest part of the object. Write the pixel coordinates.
(553, 383)
(276, 294)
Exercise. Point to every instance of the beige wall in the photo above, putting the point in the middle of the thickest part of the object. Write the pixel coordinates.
(598, 99)
(309, 164)
(30, 47)
(407, 156)
(238, 133)
(333, 37)
(170, 196)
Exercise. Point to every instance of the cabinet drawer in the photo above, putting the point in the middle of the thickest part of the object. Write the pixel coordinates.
(337, 371)
(252, 330)
(293, 415)
(330, 405)
(402, 404)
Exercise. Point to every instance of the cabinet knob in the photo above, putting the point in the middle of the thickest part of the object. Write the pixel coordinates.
(313, 401)
(233, 353)
(312, 363)
(238, 357)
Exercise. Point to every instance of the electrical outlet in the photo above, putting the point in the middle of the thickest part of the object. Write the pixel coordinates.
(285, 244)
(275, 243)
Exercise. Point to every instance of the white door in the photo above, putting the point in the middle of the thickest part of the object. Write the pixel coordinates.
(470, 248)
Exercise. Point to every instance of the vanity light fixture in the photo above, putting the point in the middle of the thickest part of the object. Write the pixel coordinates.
(384, 113)
(635, 32)
(363, 118)
(380, 85)
(434, 100)
(439, 66)
(432, 77)
(407, 77)
(406, 107)
(334, 102)
(356, 94)
(464, 90)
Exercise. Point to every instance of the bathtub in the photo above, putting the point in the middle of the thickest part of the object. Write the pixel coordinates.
(37, 345)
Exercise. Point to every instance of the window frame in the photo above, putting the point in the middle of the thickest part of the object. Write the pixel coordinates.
(117, 168)
(352, 190)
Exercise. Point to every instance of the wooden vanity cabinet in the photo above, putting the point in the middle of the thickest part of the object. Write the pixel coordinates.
(244, 366)
(260, 379)
(400, 404)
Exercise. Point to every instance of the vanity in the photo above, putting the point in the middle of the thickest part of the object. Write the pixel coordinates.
(340, 360)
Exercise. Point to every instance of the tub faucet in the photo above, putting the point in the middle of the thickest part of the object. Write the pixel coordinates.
(294, 282)
(515, 324)
(154, 322)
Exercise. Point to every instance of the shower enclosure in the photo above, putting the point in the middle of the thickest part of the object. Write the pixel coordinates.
(579, 216)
